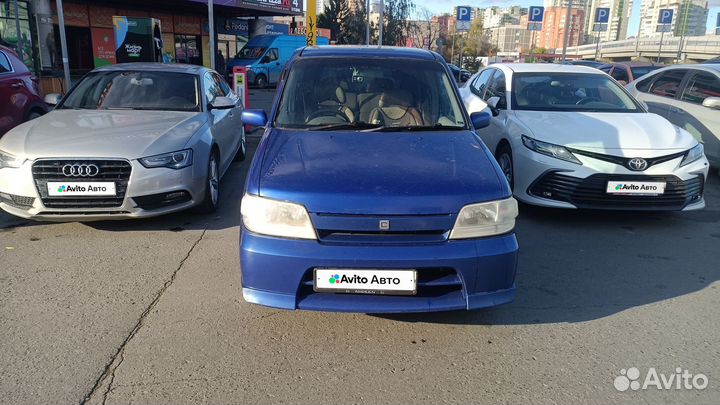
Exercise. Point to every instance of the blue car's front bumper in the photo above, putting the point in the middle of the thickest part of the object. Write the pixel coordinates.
(453, 275)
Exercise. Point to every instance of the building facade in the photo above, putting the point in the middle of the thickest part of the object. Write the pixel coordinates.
(689, 17)
(511, 38)
(553, 30)
(91, 39)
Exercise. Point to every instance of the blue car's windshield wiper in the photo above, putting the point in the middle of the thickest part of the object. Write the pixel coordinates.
(346, 125)
(419, 128)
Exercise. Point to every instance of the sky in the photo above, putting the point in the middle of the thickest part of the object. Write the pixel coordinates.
(446, 6)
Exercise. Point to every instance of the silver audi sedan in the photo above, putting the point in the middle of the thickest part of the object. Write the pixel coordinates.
(128, 141)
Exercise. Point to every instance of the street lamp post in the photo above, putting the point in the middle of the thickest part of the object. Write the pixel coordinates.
(380, 22)
(18, 42)
(567, 30)
(63, 43)
(211, 32)
(367, 23)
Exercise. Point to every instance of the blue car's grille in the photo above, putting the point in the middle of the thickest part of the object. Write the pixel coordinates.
(367, 229)
(431, 283)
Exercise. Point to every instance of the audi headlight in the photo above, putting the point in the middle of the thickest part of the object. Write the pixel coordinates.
(11, 161)
(485, 219)
(276, 218)
(549, 149)
(172, 160)
(692, 155)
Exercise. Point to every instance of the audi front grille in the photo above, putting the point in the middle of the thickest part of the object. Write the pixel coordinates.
(45, 171)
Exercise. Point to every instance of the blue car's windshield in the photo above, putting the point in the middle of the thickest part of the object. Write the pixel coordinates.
(369, 93)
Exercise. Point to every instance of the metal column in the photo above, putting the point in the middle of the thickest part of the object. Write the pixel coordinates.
(211, 29)
(567, 30)
(63, 43)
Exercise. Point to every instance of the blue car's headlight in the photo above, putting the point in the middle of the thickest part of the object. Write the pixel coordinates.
(485, 219)
(276, 218)
(693, 155)
(172, 160)
(549, 149)
(11, 161)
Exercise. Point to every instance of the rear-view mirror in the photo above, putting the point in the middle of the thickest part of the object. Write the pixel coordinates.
(222, 103)
(255, 118)
(712, 102)
(52, 99)
(480, 119)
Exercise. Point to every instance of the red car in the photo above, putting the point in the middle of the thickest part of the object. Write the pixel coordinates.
(20, 96)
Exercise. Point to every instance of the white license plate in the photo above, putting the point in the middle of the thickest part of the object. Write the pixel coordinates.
(74, 189)
(636, 187)
(390, 282)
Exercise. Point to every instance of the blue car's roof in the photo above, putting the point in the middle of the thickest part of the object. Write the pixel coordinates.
(368, 51)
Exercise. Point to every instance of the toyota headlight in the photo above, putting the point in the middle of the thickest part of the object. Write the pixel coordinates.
(485, 219)
(692, 155)
(172, 160)
(549, 149)
(276, 218)
(11, 161)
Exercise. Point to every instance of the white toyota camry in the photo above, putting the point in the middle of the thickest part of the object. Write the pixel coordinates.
(572, 137)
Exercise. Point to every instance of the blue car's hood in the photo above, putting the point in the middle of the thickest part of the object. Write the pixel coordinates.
(379, 173)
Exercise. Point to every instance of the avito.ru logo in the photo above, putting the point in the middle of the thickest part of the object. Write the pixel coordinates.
(679, 380)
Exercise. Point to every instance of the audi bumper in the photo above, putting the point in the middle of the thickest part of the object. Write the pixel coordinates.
(140, 192)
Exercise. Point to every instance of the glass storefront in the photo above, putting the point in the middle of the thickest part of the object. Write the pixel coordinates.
(8, 29)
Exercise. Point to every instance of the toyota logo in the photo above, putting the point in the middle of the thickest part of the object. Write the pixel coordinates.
(638, 164)
(80, 170)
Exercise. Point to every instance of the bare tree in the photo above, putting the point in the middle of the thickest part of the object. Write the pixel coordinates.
(422, 30)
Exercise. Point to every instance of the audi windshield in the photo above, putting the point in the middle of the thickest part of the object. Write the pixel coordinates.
(130, 90)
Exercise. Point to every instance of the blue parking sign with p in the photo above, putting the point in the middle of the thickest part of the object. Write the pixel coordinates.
(536, 14)
(602, 15)
(463, 13)
(666, 15)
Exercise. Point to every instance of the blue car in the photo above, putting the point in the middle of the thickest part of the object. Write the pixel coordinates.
(371, 192)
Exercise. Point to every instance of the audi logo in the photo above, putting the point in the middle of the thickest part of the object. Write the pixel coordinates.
(637, 164)
(80, 170)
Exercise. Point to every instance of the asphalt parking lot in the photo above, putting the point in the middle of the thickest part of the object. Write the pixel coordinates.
(151, 312)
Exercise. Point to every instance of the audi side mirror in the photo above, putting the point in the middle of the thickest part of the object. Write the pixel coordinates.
(222, 103)
(52, 99)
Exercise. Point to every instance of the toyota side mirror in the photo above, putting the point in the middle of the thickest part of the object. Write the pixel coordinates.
(480, 119)
(712, 102)
(494, 104)
(222, 103)
(265, 59)
(52, 99)
(255, 118)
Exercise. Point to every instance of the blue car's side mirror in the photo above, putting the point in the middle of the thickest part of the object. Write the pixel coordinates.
(255, 118)
(480, 119)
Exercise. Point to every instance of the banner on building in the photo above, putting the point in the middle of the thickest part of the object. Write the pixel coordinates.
(103, 41)
(137, 39)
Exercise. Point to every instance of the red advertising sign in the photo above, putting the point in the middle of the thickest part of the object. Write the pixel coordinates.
(103, 40)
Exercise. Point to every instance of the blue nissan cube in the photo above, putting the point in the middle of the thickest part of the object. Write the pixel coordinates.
(371, 192)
